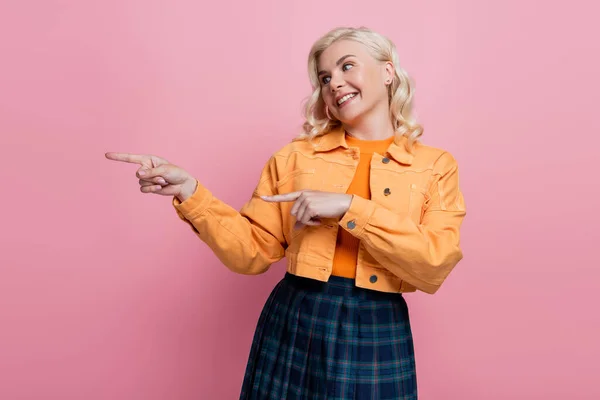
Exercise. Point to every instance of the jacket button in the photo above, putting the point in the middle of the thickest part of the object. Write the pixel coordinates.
(373, 278)
(387, 192)
(351, 224)
(385, 160)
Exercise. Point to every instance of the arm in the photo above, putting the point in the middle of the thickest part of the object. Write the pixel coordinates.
(248, 241)
(421, 254)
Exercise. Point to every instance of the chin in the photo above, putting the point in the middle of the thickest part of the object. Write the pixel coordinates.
(350, 116)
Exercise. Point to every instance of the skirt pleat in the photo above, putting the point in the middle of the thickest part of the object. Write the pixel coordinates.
(331, 340)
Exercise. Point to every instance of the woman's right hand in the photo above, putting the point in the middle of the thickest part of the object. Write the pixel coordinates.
(156, 175)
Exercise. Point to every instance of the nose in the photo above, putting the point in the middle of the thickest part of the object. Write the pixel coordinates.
(336, 82)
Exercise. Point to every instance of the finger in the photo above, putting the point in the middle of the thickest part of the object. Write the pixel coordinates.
(150, 188)
(168, 190)
(282, 197)
(158, 180)
(309, 215)
(298, 205)
(299, 210)
(304, 213)
(312, 222)
(127, 157)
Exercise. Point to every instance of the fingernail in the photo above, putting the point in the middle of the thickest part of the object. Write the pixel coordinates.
(142, 173)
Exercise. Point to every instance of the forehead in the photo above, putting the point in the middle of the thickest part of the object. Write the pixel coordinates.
(340, 49)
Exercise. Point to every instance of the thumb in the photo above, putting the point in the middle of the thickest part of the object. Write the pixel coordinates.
(148, 173)
(170, 173)
(145, 172)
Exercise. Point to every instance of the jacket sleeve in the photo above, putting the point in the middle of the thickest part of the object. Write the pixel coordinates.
(420, 254)
(248, 241)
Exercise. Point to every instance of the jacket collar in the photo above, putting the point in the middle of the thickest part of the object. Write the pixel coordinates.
(398, 150)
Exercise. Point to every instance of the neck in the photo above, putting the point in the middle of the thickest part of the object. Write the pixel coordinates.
(376, 125)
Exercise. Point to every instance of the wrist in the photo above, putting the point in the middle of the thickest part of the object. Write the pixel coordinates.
(188, 188)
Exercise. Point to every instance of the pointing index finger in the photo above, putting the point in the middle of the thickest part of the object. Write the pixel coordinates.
(282, 197)
(126, 157)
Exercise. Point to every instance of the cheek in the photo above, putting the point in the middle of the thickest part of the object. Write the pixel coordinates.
(361, 83)
(327, 97)
(373, 86)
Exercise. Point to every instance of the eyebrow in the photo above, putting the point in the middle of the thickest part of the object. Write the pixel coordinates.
(338, 62)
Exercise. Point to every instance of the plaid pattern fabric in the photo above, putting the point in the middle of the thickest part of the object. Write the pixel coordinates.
(333, 341)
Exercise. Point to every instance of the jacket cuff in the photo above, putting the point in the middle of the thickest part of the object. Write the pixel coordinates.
(194, 205)
(358, 215)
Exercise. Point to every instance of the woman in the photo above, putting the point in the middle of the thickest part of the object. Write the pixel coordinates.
(363, 213)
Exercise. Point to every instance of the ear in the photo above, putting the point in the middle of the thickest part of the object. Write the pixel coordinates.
(389, 73)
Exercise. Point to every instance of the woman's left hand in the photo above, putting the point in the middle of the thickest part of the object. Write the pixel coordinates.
(310, 205)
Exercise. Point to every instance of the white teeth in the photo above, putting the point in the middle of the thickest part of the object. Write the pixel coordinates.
(346, 97)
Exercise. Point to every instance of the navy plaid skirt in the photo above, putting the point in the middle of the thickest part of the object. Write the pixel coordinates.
(316, 340)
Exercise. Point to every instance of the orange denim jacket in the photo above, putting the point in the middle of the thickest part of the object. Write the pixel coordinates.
(408, 230)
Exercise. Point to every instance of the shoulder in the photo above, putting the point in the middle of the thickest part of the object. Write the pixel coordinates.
(303, 146)
(436, 158)
(297, 154)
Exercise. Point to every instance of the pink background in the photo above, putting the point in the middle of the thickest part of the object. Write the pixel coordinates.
(105, 294)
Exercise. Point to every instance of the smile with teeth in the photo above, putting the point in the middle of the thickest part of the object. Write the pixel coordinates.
(346, 98)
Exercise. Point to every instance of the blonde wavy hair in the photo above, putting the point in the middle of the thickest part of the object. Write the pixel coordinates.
(400, 91)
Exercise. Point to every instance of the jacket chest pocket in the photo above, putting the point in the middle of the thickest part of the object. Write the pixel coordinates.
(419, 199)
(404, 193)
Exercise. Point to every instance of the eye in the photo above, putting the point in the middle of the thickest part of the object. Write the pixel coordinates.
(325, 80)
(347, 67)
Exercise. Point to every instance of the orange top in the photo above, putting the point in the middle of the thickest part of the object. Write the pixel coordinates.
(346, 250)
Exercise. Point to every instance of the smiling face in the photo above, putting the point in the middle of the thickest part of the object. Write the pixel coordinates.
(353, 83)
